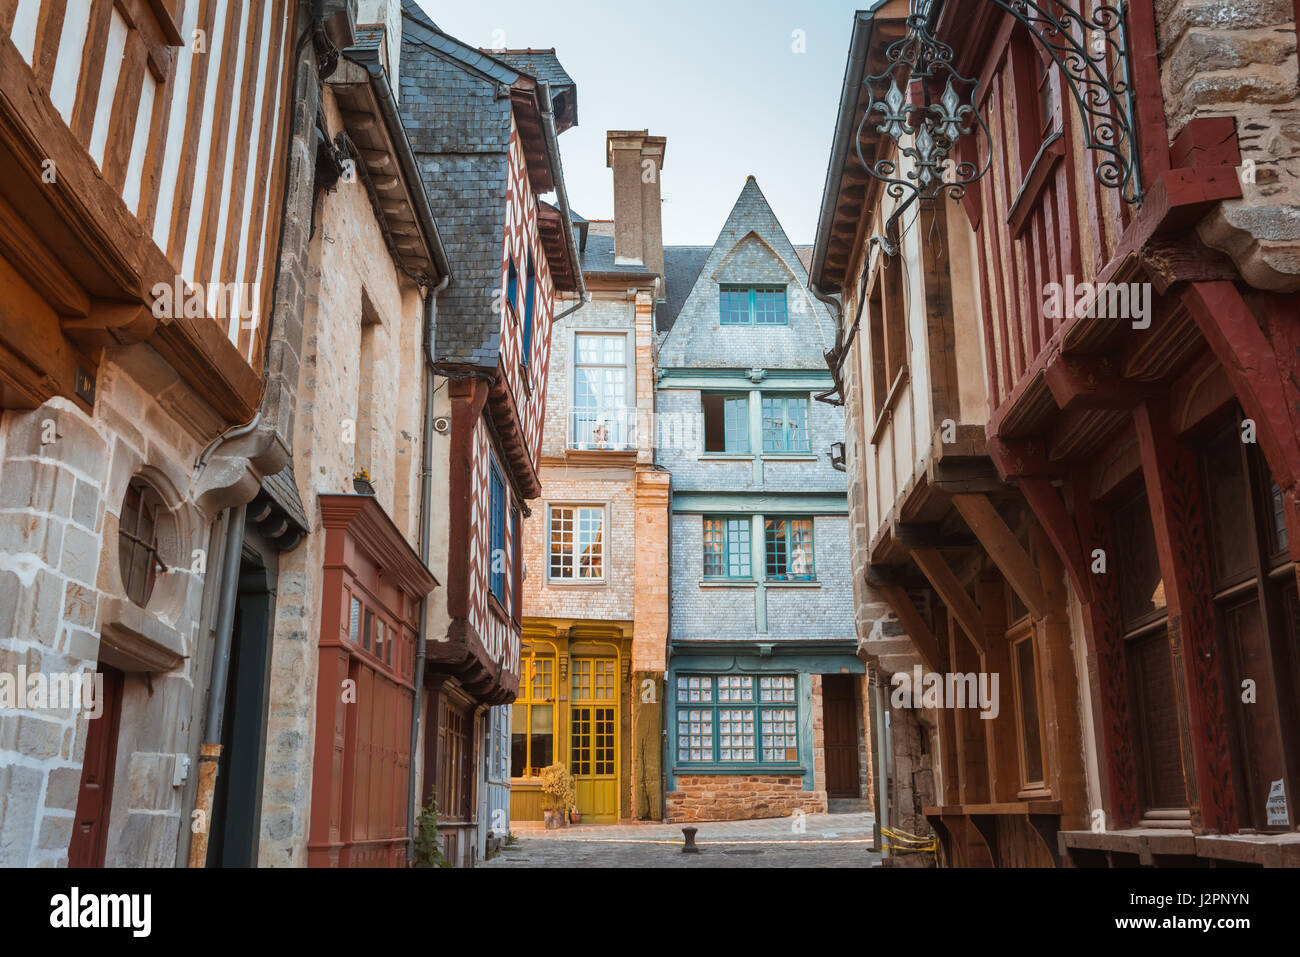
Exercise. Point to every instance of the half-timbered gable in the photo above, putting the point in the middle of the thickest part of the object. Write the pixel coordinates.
(1121, 419)
(484, 132)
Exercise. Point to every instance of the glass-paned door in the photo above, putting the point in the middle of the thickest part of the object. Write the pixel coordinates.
(593, 736)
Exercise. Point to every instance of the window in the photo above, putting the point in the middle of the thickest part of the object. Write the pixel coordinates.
(751, 306)
(785, 424)
(512, 286)
(517, 568)
(577, 543)
(497, 534)
(888, 325)
(737, 719)
(727, 548)
(532, 721)
(137, 541)
(726, 423)
(599, 417)
(530, 293)
(788, 549)
(1021, 638)
(456, 760)
(1254, 590)
(1148, 663)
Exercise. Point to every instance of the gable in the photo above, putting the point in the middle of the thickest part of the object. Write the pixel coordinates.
(751, 250)
(753, 262)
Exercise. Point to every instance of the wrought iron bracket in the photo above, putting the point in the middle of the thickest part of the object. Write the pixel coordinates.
(927, 108)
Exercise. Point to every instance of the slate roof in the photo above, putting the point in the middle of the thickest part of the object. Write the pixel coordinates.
(541, 65)
(598, 257)
(682, 265)
(459, 126)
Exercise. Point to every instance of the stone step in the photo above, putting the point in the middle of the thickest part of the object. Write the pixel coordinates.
(848, 806)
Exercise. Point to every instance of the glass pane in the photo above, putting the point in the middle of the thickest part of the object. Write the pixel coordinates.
(776, 555)
(354, 621)
(801, 548)
(591, 522)
(562, 542)
(368, 629)
(714, 548)
(1141, 586)
(738, 548)
(796, 410)
(774, 430)
(1024, 661)
(737, 425)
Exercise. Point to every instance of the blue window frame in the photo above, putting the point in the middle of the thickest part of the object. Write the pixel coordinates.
(512, 286)
(530, 291)
(727, 548)
(726, 423)
(737, 719)
(497, 534)
(785, 424)
(751, 305)
(788, 549)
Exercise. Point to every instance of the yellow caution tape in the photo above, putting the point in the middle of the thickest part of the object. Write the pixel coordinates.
(911, 842)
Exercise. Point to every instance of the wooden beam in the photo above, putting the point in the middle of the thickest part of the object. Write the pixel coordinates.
(1092, 382)
(962, 606)
(1005, 550)
(927, 646)
(1020, 457)
(1178, 520)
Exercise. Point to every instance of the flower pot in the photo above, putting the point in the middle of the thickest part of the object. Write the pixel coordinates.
(575, 816)
(552, 819)
(362, 487)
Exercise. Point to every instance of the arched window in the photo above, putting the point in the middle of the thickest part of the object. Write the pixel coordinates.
(137, 540)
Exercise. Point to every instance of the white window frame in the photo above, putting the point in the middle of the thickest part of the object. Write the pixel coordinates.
(603, 508)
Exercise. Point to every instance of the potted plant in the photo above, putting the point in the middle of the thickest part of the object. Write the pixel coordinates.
(575, 816)
(557, 794)
(361, 483)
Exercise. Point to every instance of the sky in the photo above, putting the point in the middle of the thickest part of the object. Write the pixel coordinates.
(719, 78)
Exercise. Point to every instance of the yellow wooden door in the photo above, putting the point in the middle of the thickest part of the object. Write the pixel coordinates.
(593, 738)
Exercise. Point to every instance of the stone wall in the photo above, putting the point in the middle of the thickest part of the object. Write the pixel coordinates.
(61, 589)
(351, 281)
(1238, 58)
(740, 797)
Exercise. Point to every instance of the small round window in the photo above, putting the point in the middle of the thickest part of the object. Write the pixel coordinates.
(137, 541)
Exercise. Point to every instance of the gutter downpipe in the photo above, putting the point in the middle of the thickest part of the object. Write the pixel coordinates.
(210, 749)
(882, 768)
(426, 492)
(210, 753)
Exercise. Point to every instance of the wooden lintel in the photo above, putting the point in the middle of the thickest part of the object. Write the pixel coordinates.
(1005, 550)
(1022, 457)
(962, 606)
(1092, 382)
(917, 631)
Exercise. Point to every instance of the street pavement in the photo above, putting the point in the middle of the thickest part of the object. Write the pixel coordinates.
(814, 840)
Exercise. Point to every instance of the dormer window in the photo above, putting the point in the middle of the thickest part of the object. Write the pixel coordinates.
(752, 305)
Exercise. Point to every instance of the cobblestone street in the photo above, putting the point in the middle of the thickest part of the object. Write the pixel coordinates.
(828, 840)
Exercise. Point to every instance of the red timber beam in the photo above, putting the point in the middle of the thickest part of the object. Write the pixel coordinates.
(1178, 518)
(468, 396)
(1261, 356)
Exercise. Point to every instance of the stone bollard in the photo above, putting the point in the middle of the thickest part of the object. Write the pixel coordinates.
(689, 847)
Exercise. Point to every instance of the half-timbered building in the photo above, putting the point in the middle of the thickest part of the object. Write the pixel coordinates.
(1133, 327)
(143, 150)
(483, 125)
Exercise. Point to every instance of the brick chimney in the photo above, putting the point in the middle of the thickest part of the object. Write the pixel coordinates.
(637, 159)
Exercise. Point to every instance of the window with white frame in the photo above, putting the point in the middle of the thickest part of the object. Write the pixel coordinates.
(737, 719)
(599, 417)
(577, 536)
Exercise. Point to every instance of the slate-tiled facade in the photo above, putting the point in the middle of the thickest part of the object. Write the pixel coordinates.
(754, 629)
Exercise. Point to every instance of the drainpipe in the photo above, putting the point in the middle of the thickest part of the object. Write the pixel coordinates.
(426, 491)
(210, 754)
(882, 766)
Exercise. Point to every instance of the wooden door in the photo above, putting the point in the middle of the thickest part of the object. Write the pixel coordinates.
(593, 737)
(90, 827)
(841, 727)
